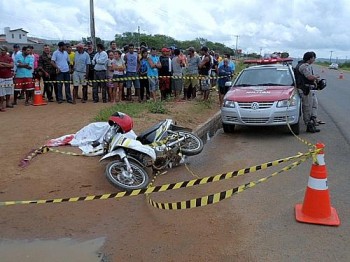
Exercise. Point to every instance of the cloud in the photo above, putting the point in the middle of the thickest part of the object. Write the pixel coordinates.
(294, 26)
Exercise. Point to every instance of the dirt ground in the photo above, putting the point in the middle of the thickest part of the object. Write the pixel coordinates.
(53, 175)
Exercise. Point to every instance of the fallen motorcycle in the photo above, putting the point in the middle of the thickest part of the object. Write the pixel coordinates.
(164, 145)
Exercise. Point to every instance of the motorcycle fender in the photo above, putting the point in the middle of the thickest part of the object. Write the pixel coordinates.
(135, 145)
(120, 152)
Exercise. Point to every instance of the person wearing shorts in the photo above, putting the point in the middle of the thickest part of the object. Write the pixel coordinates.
(118, 76)
(6, 82)
(81, 65)
(24, 76)
(204, 68)
(152, 73)
(109, 75)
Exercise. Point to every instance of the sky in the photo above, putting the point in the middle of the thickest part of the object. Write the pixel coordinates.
(260, 26)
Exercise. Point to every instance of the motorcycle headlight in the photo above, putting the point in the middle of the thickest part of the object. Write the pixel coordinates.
(287, 103)
(110, 134)
(229, 103)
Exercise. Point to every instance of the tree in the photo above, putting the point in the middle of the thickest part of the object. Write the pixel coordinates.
(158, 41)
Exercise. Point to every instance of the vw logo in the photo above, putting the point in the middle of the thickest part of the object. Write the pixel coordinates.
(255, 106)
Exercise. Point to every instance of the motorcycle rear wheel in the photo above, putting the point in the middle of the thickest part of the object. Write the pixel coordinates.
(116, 171)
(192, 145)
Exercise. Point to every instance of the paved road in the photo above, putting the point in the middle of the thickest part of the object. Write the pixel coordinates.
(265, 213)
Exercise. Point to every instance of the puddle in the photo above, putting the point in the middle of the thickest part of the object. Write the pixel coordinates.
(64, 249)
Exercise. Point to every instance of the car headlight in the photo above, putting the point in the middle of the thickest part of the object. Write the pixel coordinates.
(287, 103)
(229, 103)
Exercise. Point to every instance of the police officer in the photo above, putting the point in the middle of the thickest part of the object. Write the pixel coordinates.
(309, 83)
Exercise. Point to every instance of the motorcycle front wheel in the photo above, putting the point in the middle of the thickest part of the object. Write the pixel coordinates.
(118, 175)
(191, 145)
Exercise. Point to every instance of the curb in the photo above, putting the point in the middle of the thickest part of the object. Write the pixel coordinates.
(210, 126)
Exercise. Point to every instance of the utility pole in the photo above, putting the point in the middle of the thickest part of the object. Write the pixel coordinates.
(92, 23)
(237, 36)
(138, 37)
(330, 58)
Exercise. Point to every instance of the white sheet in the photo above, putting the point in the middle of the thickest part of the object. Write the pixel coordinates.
(85, 137)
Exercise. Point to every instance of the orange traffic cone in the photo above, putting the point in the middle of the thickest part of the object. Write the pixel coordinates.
(316, 208)
(38, 98)
(341, 76)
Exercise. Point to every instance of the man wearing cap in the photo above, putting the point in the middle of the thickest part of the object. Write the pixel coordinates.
(6, 82)
(60, 61)
(204, 68)
(191, 74)
(80, 70)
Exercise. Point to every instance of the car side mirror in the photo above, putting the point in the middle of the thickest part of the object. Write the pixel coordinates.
(228, 84)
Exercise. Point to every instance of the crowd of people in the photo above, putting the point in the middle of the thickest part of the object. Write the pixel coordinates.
(115, 75)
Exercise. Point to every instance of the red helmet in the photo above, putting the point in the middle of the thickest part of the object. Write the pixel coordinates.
(122, 120)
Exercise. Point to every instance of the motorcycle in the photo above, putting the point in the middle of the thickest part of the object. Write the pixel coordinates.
(164, 145)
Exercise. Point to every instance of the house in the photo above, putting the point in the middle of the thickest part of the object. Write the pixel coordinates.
(18, 36)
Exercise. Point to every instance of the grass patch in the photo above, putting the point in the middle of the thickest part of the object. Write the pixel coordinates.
(132, 109)
(157, 107)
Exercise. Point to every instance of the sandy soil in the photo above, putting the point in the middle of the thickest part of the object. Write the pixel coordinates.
(53, 175)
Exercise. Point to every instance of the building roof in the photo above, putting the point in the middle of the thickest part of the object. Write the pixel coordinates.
(19, 29)
(35, 40)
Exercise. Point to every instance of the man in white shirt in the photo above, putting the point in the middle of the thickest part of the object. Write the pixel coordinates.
(100, 68)
(60, 61)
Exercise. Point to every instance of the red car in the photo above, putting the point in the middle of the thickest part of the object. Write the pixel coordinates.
(263, 95)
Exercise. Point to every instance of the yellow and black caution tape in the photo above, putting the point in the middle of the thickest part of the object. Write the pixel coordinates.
(49, 149)
(217, 197)
(25, 161)
(126, 78)
(44, 149)
(165, 187)
(304, 141)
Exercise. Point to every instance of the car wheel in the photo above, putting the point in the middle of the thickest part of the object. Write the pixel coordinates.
(228, 128)
(296, 128)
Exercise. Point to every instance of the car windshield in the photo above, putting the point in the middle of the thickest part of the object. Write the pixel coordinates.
(268, 76)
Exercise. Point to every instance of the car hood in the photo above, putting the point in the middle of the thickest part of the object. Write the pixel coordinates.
(259, 93)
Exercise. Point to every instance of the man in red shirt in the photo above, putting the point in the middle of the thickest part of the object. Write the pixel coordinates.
(6, 81)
